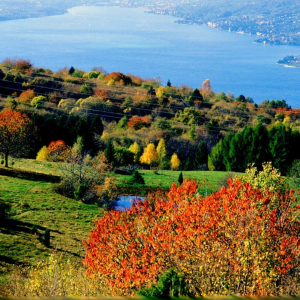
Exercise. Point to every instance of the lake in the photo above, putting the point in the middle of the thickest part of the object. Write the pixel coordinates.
(132, 41)
(125, 201)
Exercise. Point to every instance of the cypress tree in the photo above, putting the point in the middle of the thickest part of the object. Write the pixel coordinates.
(180, 178)
(110, 151)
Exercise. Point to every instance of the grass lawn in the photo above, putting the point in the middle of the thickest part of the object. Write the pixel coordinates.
(45, 167)
(161, 178)
(34, 203)
(164, 178)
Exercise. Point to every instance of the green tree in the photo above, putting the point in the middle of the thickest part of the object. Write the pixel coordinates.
(215, 159)
(201, 157)
(180, 178)
(123, 156)
(123, 123)
(237, 154)
(110, 151)
(279, 145)
(192, 132)
(260, 146)
(189, 165)
(136, 178)
(195, 97)
(71, 70)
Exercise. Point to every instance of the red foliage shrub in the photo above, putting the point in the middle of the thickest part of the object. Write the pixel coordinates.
(137, 123)
(236, 241)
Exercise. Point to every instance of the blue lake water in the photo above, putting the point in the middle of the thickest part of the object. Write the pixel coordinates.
(126, 201)
(131, 41)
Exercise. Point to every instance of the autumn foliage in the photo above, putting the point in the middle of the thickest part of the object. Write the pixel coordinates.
(118, 77)
(27, 96)
(56, 150)
(236, 241)
(15, 129)
(137, 123)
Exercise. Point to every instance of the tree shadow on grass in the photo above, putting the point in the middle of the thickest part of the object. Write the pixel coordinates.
(29, 175)
(8, 260)
(12, 226)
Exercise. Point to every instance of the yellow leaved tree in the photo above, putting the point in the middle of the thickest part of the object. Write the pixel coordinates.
(135, 149)
(43, 154)
(150, 155)
(175, 162)
(161, 151)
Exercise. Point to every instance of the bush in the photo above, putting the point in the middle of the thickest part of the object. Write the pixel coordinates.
(136, 178)
(169, 284)
(225, 243)
(38, 101)
(54, 277)
(80, 191)
(86, 89)
(93, 74)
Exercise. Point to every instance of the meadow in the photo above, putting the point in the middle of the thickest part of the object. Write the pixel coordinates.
(34, 203)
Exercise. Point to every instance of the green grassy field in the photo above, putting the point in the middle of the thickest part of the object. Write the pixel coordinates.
(164, 178)
(33, 202)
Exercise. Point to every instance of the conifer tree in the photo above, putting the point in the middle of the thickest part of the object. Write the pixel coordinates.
(188, 165)
(279, 147)
(215, 159)
(110, 151)
(180, 178)
(136, 178)
(201, 157)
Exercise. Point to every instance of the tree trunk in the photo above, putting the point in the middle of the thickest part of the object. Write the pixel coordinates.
(6, 160)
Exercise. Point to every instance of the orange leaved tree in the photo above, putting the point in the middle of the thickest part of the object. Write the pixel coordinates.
(236, 241)
(15, 129)
(57, 149)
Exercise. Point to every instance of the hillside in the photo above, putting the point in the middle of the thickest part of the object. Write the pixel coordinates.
(128, 109)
